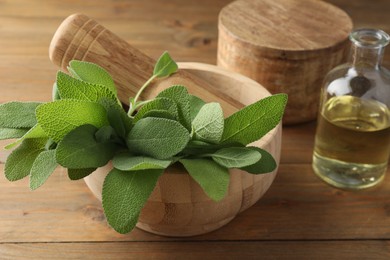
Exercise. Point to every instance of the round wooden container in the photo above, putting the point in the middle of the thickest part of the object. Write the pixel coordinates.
(178, 206)
(286, 45)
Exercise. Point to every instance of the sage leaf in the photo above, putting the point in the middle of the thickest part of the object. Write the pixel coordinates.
(159, 138)
(77, 174)
(165, 66)
(196, 147)
(18, 114)
(165, 104)
(212, 177)
(42, 168)
(180, 96)
(196, 104)
(80, 149)
(10, 133)
(35, 132)
(92, 73)
(159, 113)
(236, 157)
(208, 123)
(62, 116)
(117, 117)
(254, 121)
(55, 94)
(71, 88)
(265, 165)
(125, 194)
(104, 134)
(20, 161)
(129, 162)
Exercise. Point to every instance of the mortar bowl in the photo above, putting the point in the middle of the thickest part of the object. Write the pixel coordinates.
(178, 206)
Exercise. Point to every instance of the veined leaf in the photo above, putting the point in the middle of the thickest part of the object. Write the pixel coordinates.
(129, 162)
(236, 157)
(35, 132)
(165, 66)
(92, 73)
(77, 174)
(196, 104)
(159, 113)
(18, 114)
(62, 116)
(20, 161)
(265, 165)
(208, 123)
(79, 149)
(159, 138)
(180, 96)
(196, 147)
(212, 177)
(42, 168)
(254, 121)
(165, 104)
(55, 95)
(117, 117)
(10, 133)
(71, 88)
(124, 196)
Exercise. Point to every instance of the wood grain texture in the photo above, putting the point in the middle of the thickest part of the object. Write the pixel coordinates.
(82, 38)
(286, 45)
(196, 250)
(300, 217)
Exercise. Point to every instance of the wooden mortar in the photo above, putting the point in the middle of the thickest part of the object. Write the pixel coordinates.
(81, 38)
(178, 206)
(285, 45)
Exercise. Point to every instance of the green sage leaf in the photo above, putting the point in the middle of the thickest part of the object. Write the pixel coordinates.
(125, 194)
(62, 116)
(165, 104)
(212, 177)
(180, 96)
(10, 133)
(117, 117)
(236, 157)
(55, 94)
(265, 165)
(159, 113)
(77, 174)
(196, 104)
(80, 149)
(254, 121)
(35, 132)
(43, 166)
(159, 138)
(20, 161)
(208, 123)
(71, 88)
(165, 66)
(18, 114)
(129, 162)
(92, 73)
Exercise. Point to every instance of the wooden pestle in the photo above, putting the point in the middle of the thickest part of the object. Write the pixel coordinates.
(81, 38)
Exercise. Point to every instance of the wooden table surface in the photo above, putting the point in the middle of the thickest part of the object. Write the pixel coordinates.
(300, 217)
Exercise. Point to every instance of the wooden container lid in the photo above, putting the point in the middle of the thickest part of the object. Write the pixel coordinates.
(288, 26)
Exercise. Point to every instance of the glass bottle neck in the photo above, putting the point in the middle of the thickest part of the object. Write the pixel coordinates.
(365, 57)
(368, 47)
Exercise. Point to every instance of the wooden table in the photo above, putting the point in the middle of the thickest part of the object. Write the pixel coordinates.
(300, 217)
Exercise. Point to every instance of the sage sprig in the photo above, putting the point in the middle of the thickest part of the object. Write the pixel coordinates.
(85, 127)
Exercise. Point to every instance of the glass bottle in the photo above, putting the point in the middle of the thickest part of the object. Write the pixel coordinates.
(352, 143)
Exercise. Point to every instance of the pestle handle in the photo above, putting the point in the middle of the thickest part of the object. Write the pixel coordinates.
(82, 38)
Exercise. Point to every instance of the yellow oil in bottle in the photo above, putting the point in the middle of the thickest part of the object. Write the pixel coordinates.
(352, 143)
